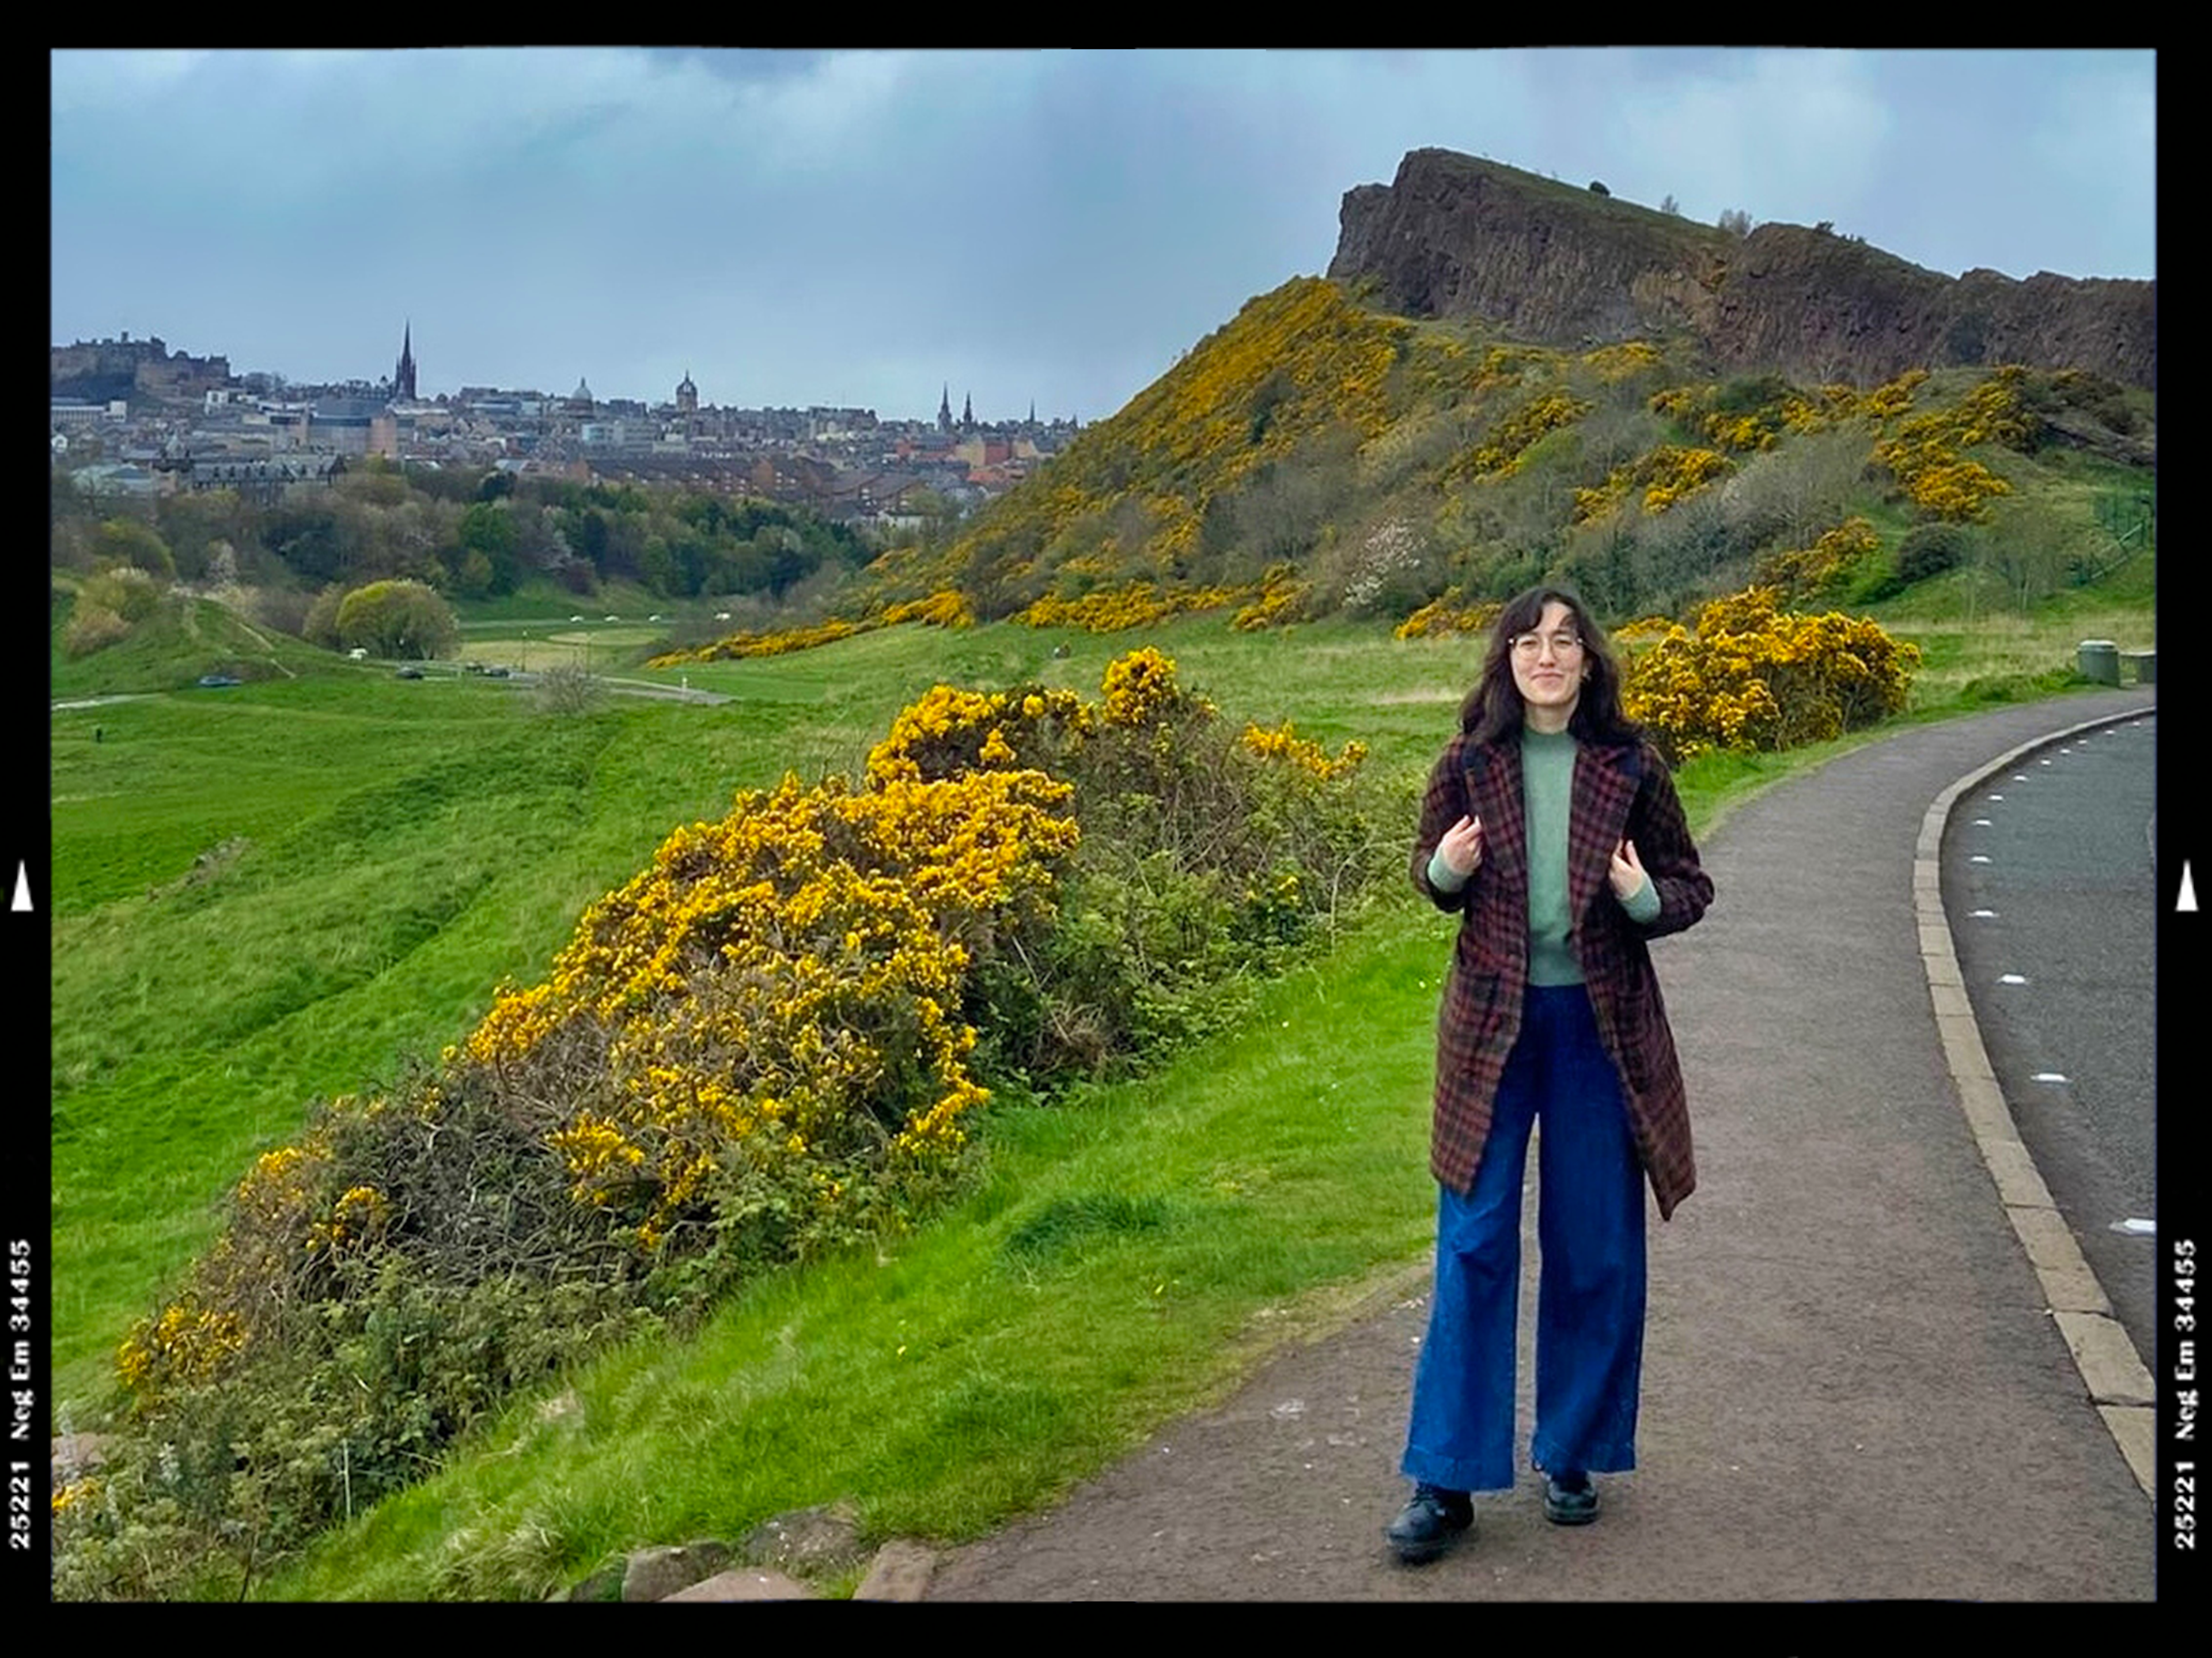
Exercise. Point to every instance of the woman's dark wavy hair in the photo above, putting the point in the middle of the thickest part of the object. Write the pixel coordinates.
(1494, 709)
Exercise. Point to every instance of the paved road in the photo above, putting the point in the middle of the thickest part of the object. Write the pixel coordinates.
(1853, 1386)
(2048, 879)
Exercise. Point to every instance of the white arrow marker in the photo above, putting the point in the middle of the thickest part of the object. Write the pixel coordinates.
(2135, 1228)
(2010, 979)
(23, 887)
(1985, 915)
(1978, 859)
(1996, 797)
(2186, 902)
(1983, 822)
(2047, 1076)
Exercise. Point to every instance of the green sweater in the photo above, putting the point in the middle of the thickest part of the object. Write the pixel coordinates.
(1547, 784)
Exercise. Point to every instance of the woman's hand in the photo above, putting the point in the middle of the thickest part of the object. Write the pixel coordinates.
(1461, 847)
(1626, 872)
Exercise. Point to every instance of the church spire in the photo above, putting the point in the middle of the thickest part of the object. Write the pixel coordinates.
(402, 378)
(944, 408)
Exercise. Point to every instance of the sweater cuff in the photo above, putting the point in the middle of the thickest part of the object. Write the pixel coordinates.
(1643, 905)
(1444, 878)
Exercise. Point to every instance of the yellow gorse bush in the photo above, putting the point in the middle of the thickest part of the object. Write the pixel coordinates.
(1139, 604)
(1280, 600)
(1925, 454)
(1888, 401)
(745, 644)
(1665, 477)
(948, 731)
(1808, 570)
(185, 1343)
(947, 608)
(1499, 455)
(777, 992)
(1284, 743)
(1752, 677)
(1619, 362)
(1446, 615)
(1138, 687)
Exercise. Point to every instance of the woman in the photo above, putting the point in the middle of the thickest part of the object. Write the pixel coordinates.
(1554, 830)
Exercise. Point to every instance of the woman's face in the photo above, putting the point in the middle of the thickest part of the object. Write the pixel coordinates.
(1548, 666)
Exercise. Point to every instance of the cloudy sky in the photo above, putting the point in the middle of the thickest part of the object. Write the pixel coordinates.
(863, 229)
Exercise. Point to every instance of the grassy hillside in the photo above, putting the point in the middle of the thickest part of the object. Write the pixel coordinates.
(1315, 456)
(177, 642)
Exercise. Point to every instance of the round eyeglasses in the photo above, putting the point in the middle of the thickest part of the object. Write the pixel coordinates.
(1531, 645)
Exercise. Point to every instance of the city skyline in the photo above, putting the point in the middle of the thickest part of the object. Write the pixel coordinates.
(862, 230)
(398, 385)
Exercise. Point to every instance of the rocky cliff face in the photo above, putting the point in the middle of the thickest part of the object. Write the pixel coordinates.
(1454, 236)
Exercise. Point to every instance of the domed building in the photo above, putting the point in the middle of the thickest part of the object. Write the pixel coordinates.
(687, 396)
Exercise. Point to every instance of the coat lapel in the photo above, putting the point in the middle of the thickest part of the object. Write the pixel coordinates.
(1605, 788)
(1493, 788)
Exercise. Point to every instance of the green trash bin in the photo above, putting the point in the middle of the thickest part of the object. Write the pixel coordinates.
(2100, 661)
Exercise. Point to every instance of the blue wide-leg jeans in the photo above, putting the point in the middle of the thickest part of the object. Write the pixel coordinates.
(1589, 1304)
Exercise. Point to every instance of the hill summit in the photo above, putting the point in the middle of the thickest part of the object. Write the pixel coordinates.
(1455, 236)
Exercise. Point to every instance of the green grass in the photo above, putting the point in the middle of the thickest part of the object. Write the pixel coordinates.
(1976, 647)
(390, 850)
(405, 846)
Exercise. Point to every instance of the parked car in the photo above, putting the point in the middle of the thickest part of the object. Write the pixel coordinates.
(221, 679)
(496, 673)
(411, 672)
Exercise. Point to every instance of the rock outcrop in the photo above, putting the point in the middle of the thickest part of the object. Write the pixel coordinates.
(1455, 236)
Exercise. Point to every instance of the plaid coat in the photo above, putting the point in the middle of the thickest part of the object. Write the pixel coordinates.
(1619, 791)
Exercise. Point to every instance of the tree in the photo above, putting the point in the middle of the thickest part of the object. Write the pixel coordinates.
(1668, 204)
(2029, 549)
(126, 541)
(568, 688)
(311, 539)
(320, 625)
(396, 619)
(377, 482)
(68, 498)
(1735, 222)
(194, 523)
(489, 529)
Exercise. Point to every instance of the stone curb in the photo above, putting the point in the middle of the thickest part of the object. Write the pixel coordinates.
(2119, 1383)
